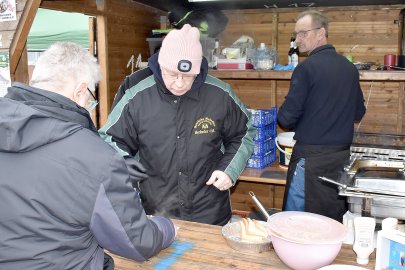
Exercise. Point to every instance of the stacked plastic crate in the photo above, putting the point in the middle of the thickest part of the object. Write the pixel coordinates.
(264, 153)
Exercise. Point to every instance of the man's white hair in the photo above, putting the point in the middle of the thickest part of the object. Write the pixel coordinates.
(65, 63)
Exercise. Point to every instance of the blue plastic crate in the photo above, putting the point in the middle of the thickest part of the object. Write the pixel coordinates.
(266, 132)
(261, 161)
(261, 147)
(263, 117)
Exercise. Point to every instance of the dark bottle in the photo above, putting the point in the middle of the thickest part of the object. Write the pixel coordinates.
(290, 52)
(216, 54)
(294, 55)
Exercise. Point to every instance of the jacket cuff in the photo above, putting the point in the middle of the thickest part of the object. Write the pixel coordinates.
(166, 227)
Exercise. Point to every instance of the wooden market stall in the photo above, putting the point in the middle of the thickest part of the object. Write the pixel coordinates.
(119, 29)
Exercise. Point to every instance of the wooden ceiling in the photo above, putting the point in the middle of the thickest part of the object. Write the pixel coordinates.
(168, 5)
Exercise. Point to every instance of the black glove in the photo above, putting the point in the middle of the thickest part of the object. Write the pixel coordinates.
(136, 170)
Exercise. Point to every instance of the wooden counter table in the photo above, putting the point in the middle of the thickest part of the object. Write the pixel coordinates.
(201, 246)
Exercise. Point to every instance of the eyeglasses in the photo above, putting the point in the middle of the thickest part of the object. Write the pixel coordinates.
(303, 34)
(92, 103)
(174, 76)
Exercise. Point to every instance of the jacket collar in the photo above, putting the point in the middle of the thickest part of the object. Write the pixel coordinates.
(322, 48)
(52, 104)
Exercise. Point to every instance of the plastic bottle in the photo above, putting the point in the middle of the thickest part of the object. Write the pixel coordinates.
(263, 60)
(363, 238)
(389, 224)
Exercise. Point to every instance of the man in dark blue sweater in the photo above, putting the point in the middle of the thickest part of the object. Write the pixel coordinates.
(322, 105)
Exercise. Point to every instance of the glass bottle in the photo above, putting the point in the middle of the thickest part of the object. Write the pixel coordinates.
(290, 52)
(216, 54)
(294, 55)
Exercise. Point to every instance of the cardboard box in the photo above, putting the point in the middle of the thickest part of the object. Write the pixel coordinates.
(238, 64)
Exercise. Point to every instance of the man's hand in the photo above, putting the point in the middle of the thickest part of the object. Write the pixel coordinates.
(220, 180)
(136, 170)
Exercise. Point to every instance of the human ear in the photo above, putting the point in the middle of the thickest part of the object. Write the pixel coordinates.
(322, 32)
(80, 94)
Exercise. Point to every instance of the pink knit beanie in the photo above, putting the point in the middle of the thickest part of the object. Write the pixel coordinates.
(181, 50)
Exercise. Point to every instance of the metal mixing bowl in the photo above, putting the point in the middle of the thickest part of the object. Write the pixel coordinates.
(231, 233)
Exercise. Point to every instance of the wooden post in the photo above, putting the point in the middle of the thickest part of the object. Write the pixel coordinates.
(20, 37)
(21, 72)
(102, 55)
(401, 104)
(274, 30)
(274, 41)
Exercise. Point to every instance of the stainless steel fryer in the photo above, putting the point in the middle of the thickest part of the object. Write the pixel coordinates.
(375, 188)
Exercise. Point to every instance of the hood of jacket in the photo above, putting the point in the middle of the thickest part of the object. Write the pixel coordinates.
(155, 68)
(31, 117)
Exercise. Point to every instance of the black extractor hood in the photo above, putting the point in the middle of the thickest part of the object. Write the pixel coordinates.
(168, 5)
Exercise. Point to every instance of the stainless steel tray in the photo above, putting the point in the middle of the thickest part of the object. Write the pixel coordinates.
(349, 190)
(376, 206)
(383, 179)
(361, 163)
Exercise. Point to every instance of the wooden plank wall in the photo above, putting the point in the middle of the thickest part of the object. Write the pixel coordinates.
(371, 33)
(367, 33)
(271, 196)
(128, 26)
(370, 30)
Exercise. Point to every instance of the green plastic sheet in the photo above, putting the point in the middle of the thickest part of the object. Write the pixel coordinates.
(50, 26)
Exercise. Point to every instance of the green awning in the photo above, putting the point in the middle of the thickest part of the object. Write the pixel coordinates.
(50, 26)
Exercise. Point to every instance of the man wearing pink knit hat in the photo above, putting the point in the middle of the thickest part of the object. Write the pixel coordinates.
(191, 133)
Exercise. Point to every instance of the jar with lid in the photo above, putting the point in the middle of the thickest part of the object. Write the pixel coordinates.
(263, 59)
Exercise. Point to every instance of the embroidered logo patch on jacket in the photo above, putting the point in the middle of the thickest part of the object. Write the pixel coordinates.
(204, 126)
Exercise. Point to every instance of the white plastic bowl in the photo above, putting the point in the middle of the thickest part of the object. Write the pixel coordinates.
(305, 256)
(305, 241)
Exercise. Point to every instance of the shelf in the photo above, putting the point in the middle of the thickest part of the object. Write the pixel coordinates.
(252, 74)
(273, 174)
(365, 75)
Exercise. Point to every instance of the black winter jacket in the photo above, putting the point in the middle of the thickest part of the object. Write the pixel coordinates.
(181, 140)
(324, 100)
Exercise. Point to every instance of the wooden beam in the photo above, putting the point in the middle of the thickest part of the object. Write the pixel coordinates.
(274, 31)
(100, 5)
(21, 74)
(102, 55)
(21, 34)
(93, 50)
(79, 6)
(273, 93)
(365, 75)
